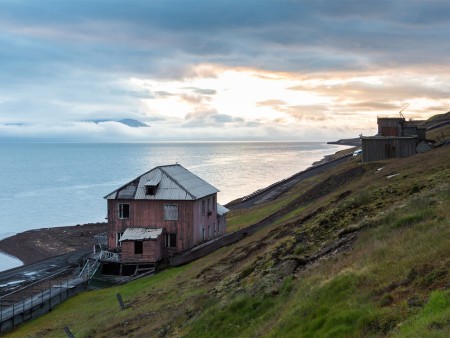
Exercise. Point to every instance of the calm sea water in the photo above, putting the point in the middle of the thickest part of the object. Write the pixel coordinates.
(48, 185)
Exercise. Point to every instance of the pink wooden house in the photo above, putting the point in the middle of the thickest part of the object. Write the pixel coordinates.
(161, 212)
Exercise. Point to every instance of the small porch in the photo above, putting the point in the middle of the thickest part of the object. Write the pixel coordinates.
(141, 250)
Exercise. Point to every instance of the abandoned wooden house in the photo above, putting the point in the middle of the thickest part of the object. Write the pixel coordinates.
(164, 211)
(396, 138)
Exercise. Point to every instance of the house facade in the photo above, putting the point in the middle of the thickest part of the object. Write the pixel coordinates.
(165, 210)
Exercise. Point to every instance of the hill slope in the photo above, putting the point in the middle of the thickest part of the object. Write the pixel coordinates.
(365, 253)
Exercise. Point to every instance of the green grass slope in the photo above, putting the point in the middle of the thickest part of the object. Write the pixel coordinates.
(365, 254)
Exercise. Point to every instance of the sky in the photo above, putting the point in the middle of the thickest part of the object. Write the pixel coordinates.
(218, 70)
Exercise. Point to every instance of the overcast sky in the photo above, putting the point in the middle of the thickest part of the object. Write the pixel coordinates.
(218, 70)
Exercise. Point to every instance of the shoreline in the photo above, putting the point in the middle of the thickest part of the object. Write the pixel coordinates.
(352, 142)
(36, 245)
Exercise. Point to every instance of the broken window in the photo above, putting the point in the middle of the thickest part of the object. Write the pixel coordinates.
(138, 247)
(118, 236)
(124, 210)
(171, 240)
(171, 212)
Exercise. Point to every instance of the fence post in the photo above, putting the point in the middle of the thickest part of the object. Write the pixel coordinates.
(119, 298)
(68, 332)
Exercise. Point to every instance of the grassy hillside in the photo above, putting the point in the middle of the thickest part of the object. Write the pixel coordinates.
(366, 253)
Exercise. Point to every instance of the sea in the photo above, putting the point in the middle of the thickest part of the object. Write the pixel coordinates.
(58, 184)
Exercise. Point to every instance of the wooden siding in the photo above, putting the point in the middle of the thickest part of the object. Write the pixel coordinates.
(381, 148)
(206, 220)
(152, 251)
(390, 126)
(150, 214)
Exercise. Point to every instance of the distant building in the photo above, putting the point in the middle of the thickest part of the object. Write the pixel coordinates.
(396, 138)
(162, 212)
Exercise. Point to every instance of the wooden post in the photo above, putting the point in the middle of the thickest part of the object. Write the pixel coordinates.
(119, 298)
(68, 332)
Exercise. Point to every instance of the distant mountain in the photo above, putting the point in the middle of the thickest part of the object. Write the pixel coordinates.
(133, 123)
(128, 122)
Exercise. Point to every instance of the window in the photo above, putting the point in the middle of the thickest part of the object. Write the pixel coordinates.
(203, 234)
(138, 247)
(214, 203)
(209, 206)
(124, 210)
(171, 212)
(171, 240)
(203, 208)
(209, 231)
(150, 190)
(118, 237)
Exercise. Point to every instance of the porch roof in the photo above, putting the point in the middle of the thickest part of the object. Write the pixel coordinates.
(140, 234)
(221, 210)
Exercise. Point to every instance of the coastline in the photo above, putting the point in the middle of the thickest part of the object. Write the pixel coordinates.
(352, 142)
(38, 244)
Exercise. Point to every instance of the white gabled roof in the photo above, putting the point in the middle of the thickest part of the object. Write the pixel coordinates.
(140, 234)
(174, 182)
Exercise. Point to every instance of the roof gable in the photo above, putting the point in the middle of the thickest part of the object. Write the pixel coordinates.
(175, 183)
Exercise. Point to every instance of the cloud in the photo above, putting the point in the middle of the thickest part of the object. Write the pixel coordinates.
(271, 103)
(308, 112)
(159, 60)
(211, 118)
(202, 91)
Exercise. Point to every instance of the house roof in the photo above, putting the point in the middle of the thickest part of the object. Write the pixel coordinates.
(140, 234)
(174, 183)
(221, 210)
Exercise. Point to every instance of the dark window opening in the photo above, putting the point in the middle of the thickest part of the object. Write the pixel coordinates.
(171, 240)
(150, 190)
(138, 247)
(124, 211)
